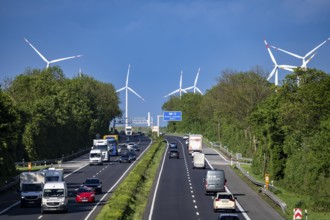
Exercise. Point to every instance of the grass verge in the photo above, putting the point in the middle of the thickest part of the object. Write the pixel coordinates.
(292, 200)
(130, 198)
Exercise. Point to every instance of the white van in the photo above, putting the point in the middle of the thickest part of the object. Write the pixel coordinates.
(199, 160)
(54, 197)
(95, 157)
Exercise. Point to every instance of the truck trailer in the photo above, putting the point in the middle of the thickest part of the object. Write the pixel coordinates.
(195, 143)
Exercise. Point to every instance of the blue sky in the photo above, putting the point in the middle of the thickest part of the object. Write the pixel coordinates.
(159, 39)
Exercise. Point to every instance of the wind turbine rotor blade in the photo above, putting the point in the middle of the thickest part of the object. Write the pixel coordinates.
(272, 73)
(181, 80)
(197, 77)
(129, 66)
(270, 53)
(65, 58)
(37, 52)
(310, 52)
(172, 93)
(135, 93)
(287, 67)
(188, 88)
(121, 89)
(287, 52)
(199, 90)
(307, 61)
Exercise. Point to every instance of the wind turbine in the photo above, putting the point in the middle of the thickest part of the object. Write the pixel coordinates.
(126, 87)
(194, 86)
(276, 66)
(303, 58)
(52, 61)
(179, 90)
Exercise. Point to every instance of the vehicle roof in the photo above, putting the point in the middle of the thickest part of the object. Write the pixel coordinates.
(51, 185)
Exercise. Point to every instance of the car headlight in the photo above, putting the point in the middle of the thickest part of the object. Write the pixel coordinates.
(22, 197)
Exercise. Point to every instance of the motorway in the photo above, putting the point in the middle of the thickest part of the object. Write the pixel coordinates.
(76, 171)
(180, 192)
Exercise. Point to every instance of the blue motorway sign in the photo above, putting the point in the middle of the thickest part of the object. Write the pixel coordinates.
(172, 116)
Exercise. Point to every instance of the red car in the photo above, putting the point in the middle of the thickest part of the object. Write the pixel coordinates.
(85, 194)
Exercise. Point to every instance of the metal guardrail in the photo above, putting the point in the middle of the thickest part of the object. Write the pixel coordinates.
(271, 195)
(15, 180)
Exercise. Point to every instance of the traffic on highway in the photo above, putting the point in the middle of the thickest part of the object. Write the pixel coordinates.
(182, 188)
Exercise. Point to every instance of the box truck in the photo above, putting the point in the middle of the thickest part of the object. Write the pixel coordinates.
(195, 143)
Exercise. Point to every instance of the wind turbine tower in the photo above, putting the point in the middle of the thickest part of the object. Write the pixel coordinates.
(179, 90)
(195, 83)
(52, 61)
(126, 87)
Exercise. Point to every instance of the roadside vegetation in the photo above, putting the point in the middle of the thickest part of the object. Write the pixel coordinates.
(130, 198)
(293, 200)
(285, 129)
(45, 115)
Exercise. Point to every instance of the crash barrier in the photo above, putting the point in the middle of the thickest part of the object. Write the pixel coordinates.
(14, 181)
(271, 195)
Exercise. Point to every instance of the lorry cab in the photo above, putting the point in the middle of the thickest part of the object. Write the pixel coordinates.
(54, 197)
(215, 181)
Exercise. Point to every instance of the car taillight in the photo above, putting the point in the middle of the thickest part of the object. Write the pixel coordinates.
(217, 200)
(205, 182)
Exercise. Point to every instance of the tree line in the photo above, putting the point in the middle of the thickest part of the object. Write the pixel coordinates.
(44, 115)
(285, 129)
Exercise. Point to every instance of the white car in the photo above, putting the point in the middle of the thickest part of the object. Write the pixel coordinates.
(224, 201)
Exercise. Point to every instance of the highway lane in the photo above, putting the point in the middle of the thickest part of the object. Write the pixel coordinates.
(110, 174)
(174, 198)
(253, 206)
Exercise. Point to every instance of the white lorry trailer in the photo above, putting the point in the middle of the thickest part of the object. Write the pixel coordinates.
(31, 186)
(195, 143)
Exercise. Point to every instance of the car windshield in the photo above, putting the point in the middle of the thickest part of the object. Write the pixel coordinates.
(224, 196)
(53, 193)
(31, 187)
(95, 155)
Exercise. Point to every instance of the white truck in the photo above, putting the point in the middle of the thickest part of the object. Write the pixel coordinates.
(104, 146)
(95, 157)
(128, 130)
(195, 143)
(54, 175)
(31, 186)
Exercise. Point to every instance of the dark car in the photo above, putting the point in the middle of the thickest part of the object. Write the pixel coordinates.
(174, 154)
(125, 158)
(132, 154)
(94, 183)
(135, 147)
(173, 146)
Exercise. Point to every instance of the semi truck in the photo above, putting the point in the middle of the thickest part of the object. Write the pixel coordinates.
(31, 186)
(128, 130)
(195, 143)
(103, 145)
